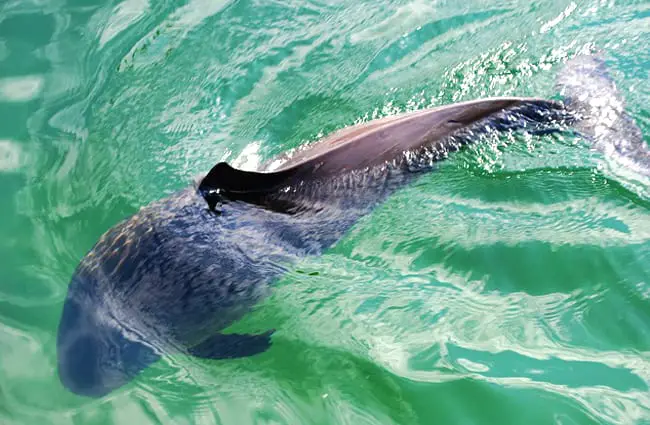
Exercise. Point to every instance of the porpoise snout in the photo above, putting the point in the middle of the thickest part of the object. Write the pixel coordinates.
(94, 356)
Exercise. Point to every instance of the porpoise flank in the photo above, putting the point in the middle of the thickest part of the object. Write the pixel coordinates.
(172, 277)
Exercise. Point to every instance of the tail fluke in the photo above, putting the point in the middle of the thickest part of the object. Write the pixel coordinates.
(599, 107)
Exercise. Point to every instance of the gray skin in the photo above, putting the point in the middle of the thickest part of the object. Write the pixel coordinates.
(599, 112)
(172, 277)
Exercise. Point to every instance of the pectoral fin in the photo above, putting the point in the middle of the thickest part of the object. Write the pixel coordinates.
(232, 346)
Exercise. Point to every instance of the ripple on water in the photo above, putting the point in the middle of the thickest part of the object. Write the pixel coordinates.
(439, 333)
(11, 156)
(20, 89)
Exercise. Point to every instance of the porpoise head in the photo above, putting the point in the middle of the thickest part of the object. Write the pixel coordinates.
(102, 340)
(151, 284)
(96, 355)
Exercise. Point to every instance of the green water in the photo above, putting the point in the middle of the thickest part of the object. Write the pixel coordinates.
(510, 287)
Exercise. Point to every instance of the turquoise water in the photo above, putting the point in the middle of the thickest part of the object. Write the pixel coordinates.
(511, 286)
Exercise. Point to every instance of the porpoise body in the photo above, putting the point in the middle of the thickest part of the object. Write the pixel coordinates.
(171, 278)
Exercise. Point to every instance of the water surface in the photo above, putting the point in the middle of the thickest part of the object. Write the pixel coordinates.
(511, 286)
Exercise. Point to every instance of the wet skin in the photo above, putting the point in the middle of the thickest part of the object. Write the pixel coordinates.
(172, 277)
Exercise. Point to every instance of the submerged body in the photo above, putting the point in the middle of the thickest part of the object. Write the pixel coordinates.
(172, 277)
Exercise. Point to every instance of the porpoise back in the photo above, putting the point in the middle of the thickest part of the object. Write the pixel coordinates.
(370, 144)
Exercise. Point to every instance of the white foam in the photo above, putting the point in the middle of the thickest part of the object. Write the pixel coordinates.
(123, 16)
(21, 89)
(10, 155)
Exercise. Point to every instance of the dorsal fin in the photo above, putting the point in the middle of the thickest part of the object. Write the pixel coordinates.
(232, 180)
(225, 182)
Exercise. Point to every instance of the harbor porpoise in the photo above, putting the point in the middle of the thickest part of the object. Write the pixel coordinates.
(171, 278)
